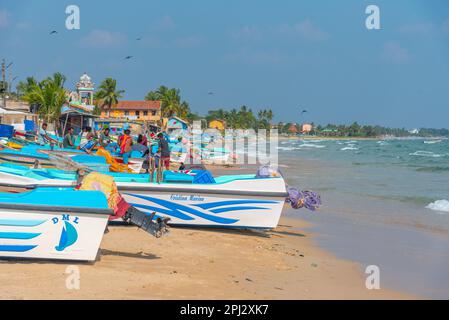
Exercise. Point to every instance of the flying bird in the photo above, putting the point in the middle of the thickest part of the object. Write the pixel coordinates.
(139, 39)
(128, 57)
(54, 32)
(210, 93)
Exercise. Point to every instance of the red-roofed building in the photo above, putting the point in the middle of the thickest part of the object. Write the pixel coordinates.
(144, 110)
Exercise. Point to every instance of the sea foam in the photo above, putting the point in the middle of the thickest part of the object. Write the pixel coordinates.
(421, 153)
(439, 205)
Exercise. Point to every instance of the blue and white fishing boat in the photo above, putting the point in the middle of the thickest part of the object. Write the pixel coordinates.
(52, 223)
(42, 157)
(193, 198)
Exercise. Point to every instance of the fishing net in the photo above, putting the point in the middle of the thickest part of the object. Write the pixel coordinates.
(114, 165)
(122, 209)
(64, 162)
(268, 171)
(303, 199)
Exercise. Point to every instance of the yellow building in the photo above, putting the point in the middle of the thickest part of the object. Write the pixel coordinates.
(217, 124)
(135, 110)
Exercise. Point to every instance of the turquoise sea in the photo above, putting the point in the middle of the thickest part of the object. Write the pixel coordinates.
(385, 203)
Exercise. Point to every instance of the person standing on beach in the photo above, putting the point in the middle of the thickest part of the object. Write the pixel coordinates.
(125, 143)
(68, 139)
(164, 151)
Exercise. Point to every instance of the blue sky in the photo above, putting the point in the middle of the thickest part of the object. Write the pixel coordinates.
(286, 55)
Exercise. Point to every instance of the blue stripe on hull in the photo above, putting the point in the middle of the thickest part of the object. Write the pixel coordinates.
(17, 248)
(18, 235)
(228, 209)
(20, 223)
(232, 202)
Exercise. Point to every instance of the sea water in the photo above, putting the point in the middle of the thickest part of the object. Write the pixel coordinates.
(385, 203)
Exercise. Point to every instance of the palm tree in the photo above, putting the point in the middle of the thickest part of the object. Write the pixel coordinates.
(108, 94)
(171, 101)
(49, 94)
(24, 87)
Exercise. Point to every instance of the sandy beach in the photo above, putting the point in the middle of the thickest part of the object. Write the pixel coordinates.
(197, 264)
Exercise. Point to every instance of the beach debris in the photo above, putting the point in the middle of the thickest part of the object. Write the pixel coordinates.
(248, 279)
(303, 199)
(277, 288)
(314, 265)
(268, 171)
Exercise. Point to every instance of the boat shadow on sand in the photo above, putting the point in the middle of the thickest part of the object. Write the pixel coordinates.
(244, 232)
(101, 253)
(138, 255)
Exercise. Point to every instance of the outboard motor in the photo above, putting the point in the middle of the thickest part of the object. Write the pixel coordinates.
(121, 208)
(145, 222)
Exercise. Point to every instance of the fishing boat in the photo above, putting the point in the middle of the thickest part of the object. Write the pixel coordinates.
(34, 157)
(42, 155)
(52, 223)
(191, 197)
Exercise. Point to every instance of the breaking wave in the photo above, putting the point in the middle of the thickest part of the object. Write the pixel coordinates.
(439, 205)
(431, 154)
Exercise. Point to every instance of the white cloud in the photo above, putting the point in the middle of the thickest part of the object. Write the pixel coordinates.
(445, 26)
(103, 38)
(164, 23)
(394, 52)
(187, 42)
(304, 29)
(420, 28)
(247, 33)
(256, 57)
(4, 18)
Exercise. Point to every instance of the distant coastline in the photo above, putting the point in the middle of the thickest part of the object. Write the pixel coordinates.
(306, 137)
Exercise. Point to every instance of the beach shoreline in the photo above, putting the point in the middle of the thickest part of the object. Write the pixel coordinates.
(199, 263)
(195, 263)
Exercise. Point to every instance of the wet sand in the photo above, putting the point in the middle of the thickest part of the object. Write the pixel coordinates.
(197, 264)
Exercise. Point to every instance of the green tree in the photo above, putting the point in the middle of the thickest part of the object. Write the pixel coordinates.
(24, 87)
(171, 102)
(49, 94)
(108, 95)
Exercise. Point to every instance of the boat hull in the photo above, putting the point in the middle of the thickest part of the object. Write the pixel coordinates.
(252, 203)
(50, 235)
(26, 160)
(196, 208)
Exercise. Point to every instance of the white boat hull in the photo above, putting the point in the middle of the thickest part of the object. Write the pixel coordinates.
(211, 210)
(246, 203)
(51, 235)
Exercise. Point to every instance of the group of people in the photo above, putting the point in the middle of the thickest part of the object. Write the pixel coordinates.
(124, 145)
